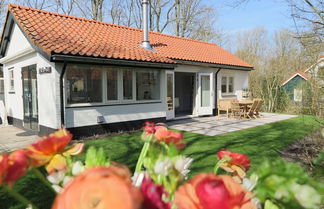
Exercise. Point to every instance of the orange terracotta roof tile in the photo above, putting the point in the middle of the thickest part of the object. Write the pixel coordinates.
(61, 34)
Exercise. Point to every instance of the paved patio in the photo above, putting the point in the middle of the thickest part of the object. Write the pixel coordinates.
(213, 126)
(13, 138)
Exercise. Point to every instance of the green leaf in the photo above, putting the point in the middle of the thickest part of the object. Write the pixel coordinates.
(270, 205)
(95, 157)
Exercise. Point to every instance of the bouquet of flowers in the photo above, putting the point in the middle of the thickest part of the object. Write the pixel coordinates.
(160, 179)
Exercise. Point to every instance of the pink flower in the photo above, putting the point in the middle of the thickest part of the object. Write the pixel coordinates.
(152, 194)
(162, 134)
(237, 164)
(236, 159)
(3, 166)
(18, 164)
(208, 191)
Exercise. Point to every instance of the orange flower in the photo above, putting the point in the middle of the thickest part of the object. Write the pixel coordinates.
(3, 167)
(18, 164)
(100, 188)
(237, 164)
(50, 150)
(162, 134)
(208, 191)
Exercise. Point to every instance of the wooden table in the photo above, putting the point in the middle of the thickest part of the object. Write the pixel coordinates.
(244, 104)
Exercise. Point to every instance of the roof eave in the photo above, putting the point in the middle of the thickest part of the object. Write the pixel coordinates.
(213, 65)
(118, 62)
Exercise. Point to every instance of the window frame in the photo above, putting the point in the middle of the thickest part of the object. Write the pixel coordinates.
(2, 90)
(120, 90)
(298, 92)
(11, 84)
(227, 93)
(103, 98)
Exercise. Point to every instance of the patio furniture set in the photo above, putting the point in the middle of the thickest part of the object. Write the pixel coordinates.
(240, 108)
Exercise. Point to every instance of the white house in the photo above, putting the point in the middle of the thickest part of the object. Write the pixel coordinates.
(95, 77)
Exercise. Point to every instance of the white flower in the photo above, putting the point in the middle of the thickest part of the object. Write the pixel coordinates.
(162, 167)
(29, 207)
(77, 168)
(66, 180)
(306, 195)
(57, 188)
(138, 178)
(182, 164)
(56, 177)
(249, 184)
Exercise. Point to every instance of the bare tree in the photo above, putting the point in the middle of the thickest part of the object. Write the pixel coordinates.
(65, 6)
(90, 9)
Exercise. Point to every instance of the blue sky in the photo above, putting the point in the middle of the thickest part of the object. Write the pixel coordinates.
(271, 14)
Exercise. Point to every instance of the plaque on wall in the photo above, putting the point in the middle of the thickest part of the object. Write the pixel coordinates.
(43, 70)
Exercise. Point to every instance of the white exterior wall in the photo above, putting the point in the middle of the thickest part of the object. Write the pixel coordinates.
(46, 87)
(87, 116)
(241, 81)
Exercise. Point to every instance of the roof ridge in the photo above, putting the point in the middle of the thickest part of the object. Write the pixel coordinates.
(106, 23)
(70, 16)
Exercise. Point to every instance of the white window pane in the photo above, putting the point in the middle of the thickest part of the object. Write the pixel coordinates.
(1, 86)
(148, 85)
(205, 91)
(230, 84)
(224, 85)
(112, 84)
(170, 91)
(128, 84)
(11, 80)
(83, 84)
(298, 95)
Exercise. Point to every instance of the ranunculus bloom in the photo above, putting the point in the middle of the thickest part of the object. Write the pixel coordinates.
(162, 134)
(238, 163)
(152, 194)
(18, 164)
(100, 188)
(149, 127)
(208, 191)
(3, 166)
(50, 150)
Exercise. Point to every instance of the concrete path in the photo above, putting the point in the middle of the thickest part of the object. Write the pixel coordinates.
(213, 126)
(12, 138)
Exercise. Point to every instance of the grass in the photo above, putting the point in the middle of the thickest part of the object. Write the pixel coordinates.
(259, 143)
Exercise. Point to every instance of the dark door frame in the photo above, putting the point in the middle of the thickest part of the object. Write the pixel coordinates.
(30, 126)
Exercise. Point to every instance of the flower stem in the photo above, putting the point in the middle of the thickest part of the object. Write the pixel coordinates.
(18, 197)
(41, 177)
(218, 164)
(142, 156)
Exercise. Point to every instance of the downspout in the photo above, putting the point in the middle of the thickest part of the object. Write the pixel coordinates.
(216, 96)
(62, 95)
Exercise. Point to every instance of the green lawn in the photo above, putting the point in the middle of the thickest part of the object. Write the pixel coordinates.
(258, 143)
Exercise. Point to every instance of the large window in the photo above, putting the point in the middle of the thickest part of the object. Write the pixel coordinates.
(84, 84)
(148, 85)
(111, 85)
(227, 85)
(127, 84)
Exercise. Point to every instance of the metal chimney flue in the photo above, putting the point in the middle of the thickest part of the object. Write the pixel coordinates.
(146, 43)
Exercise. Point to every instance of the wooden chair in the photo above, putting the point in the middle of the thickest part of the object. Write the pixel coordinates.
(236, 109)
(258, 108)
(252, 109)
(224, 105)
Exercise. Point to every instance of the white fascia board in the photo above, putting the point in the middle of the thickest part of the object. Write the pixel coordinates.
(293, 76)
(17, 55)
